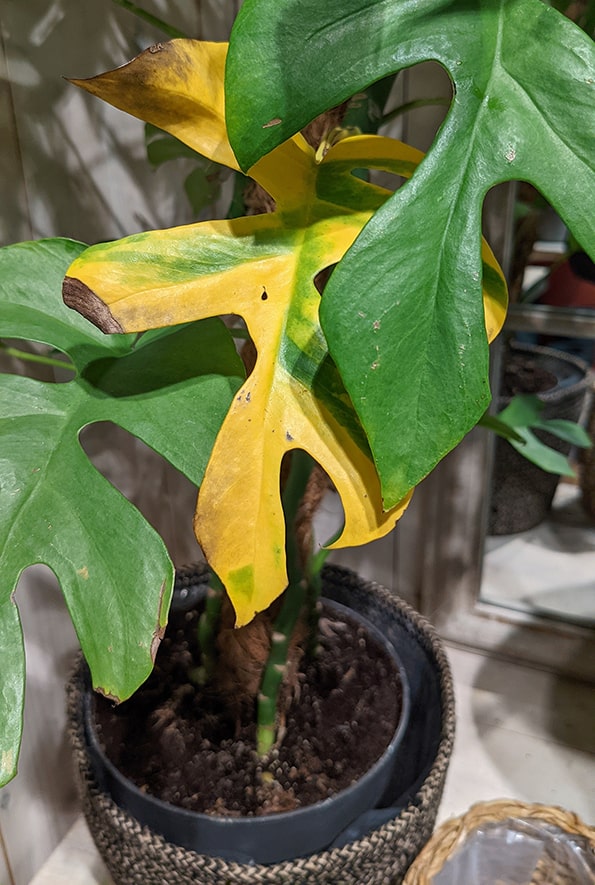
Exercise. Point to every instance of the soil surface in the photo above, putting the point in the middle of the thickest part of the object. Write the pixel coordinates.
(175, 741)
(524, 375)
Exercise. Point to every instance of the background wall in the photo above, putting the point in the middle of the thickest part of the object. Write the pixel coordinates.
(71, 165)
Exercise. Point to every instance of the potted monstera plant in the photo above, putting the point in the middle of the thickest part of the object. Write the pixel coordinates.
(370, 314)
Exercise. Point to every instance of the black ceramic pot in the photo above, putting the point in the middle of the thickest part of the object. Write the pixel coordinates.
(379, 843)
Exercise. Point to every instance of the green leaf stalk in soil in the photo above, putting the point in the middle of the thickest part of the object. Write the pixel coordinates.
(56, 508)
(263, 268)
(402, 314)
(294, 599)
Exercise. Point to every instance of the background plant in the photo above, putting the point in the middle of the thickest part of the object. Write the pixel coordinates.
(521, 417)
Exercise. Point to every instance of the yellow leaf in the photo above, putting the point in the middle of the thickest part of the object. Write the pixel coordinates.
(177, 86)
(261, 268)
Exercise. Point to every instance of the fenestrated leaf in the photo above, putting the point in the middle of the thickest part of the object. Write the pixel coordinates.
(410, 347)
(263, 269)
(414, 353)
(56, 508)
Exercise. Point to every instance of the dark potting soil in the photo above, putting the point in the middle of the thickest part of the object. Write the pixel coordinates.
(522, 374)
(175, 741)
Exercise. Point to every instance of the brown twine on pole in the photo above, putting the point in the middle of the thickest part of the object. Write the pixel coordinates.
(318, 485)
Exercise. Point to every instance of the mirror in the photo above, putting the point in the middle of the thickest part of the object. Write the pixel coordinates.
(539, 554)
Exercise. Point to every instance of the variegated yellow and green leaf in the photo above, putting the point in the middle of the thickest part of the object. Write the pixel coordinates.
(261, 268)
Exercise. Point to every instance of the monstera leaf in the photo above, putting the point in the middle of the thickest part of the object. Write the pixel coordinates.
(402, 314)
(56, 508)
(262, 268)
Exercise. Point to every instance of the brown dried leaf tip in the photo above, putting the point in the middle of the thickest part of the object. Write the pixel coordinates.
(80, 298)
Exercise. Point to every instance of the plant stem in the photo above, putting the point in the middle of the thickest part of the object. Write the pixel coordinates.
(35, 357)
(167, 29)
(493, 423)
(266, 720)
(293, 600)
(412, 106)
(207, 632)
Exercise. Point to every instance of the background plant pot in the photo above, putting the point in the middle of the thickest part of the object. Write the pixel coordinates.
(522, 493)
(587, 464)
(264, 839)
(394, 832)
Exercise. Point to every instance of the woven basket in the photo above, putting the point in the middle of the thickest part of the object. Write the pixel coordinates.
(451, 835)
(136, 856)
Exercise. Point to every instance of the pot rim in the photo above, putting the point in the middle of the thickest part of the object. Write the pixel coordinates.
(560, 391)
(250, 824)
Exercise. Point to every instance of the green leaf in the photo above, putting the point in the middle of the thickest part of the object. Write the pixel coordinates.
(56, 508)
(523, 415)
(141, 13)
(162, 147)
(525, 410)
(202, 187)
(493, 423)
(28, 273)
(567, 431)
(203, 184)
(12, 687)
(402, 312)
(541, 454)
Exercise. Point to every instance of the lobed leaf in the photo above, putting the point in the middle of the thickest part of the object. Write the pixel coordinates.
(410, 345)
(262, 268)
(56, 508)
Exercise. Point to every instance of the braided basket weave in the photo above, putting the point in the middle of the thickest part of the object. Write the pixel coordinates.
(451, 835)
(136, 856)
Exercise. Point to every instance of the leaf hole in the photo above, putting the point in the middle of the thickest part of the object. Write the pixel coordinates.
(320, 516)
(33, 360)
(417, 105)
(322, 277)
(164, 496)
(244, 342)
